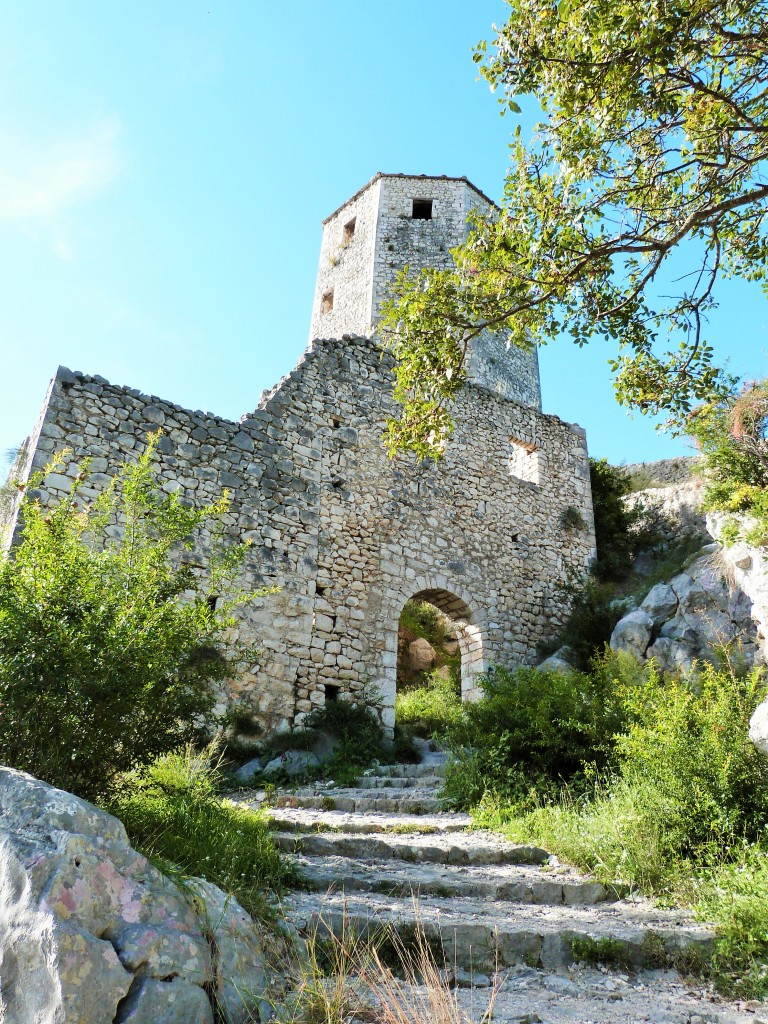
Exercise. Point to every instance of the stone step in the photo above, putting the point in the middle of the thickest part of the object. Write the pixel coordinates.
(479, 935)
(394, 782)
(299, 819)
(405, 771)
(362, 801)
(516, 883)
(455, 848)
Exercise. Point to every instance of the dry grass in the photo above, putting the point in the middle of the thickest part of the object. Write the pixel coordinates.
(345, 977)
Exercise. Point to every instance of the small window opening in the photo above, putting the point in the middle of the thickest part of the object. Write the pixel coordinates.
(525, 461)
(213, 602)
(331, 692)
(422, 209)
(336, 422)
(327, 303)
(349, 231)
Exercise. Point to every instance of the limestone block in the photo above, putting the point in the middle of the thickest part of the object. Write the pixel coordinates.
(660, 603)
(421, 655)
(758, 727)
(293, 762)
(633, 633)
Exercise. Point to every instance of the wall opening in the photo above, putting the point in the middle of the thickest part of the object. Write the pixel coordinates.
(348, 231)
(525, 461)
(454, 653)
(422, 209)
(326, 304)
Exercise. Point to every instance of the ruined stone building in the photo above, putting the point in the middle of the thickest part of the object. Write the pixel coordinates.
(488, 535)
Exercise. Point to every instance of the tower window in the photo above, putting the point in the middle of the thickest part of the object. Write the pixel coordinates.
(525, 461)
(327, 302)
(422, 209)
(349, 231)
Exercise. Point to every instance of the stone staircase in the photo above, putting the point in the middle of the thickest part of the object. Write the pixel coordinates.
(384, 855)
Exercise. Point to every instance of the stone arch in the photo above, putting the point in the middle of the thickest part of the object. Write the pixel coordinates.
(468, 622)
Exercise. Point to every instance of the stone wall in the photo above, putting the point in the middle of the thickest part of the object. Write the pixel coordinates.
(347, 535)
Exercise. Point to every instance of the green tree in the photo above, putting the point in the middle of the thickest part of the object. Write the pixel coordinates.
(109, 644)
(655, 134)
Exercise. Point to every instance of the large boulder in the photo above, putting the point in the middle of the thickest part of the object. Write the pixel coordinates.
(758, 727)
(633, 633)
(292, 763)
(91, 932)
(684, 621)
(421, 655)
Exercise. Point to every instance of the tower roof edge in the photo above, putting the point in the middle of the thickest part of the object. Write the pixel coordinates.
(416, 177)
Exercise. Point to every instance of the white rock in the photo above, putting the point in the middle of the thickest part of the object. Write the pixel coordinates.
(758, 727)
(633, 633)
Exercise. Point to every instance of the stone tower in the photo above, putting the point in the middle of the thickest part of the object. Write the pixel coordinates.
(415, 220)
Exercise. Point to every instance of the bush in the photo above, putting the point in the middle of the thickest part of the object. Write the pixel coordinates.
(618, 529)
(733, 437)
(429, 710)
(173, 816)
(688, 740)
(534, 728)
(108, 644)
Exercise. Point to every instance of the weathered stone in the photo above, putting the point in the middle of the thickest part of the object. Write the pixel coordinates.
(164, 1002)
(292, 762)
(557, 662)
(758, 727)
(633, 633)
(87, 922)
(245, 772)
(660, 603)
(421, 655)
(242, 978)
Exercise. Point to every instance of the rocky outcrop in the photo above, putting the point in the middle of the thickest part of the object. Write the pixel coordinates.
(91, 933)
(672, 513)
(749, 567)
(680, 622)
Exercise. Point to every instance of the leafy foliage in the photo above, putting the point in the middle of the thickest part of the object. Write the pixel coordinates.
(173, 815)
(618, 529)
(688, 740)
(109, 647)
(681, 812)
(654, 135)
(429, 710)
(533, 730)
(733, 436)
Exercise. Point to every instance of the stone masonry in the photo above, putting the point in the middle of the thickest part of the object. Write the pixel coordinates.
(347, 534)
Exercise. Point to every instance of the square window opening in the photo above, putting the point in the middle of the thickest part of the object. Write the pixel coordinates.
(327, 301)
(422, 209)
(525, 461)
(349, 231)
(331, 692)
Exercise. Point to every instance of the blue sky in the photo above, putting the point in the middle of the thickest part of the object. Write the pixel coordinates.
(164, 169)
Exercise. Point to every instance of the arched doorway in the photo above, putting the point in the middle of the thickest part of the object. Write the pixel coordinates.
(467, 623)
(466, 630)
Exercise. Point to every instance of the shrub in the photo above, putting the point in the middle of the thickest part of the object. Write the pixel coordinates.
(688, 740)
(108, 644)
(733, 437)
(422, 619)
(618, 529)
(429, 710)
(594, 613)
(173, 815)
(536, 728)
